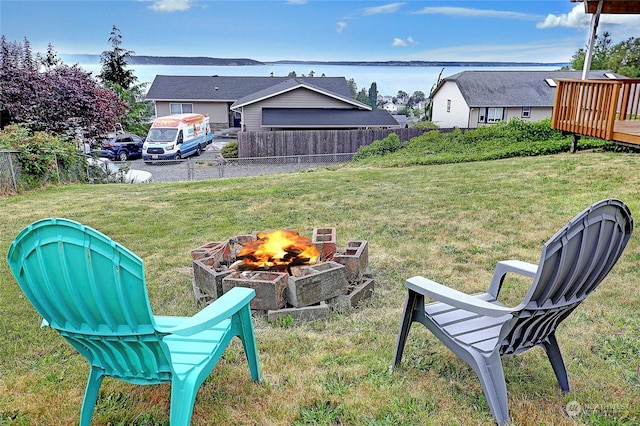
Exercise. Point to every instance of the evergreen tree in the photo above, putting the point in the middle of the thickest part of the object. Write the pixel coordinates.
(373, 95)
(622, 58)
(353, 88)
(114, 63)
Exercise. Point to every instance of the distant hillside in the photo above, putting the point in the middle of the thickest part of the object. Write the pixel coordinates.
(423, 63)
(164, 60)
(203, 60)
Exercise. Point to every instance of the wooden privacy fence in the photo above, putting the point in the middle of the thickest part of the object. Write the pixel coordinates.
(312, 142)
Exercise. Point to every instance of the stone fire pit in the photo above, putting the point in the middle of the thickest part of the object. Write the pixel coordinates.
(336, 280)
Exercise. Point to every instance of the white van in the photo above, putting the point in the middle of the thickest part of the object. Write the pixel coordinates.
(177, 136)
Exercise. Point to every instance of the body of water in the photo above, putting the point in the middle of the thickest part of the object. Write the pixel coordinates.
(389, 79)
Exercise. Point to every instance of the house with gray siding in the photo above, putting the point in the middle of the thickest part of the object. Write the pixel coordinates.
(239, 101)
(472, 99)
(298, 104)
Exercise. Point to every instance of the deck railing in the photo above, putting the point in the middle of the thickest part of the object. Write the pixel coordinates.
(592, 107)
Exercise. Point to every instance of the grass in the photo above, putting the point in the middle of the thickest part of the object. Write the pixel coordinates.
(449, 222)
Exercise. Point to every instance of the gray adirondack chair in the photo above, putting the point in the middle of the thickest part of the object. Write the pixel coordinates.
(481, 330)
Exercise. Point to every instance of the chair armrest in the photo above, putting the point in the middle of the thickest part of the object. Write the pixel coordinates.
(221, 309)
(455, 298)
(506, 266)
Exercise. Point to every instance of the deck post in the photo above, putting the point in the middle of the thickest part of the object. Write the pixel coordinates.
(574, 143)
(595, 19)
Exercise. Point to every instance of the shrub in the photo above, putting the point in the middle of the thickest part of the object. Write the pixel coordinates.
(230, 150)
(43, 156)
(380, 147)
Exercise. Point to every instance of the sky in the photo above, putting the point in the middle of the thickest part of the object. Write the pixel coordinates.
(548, 31)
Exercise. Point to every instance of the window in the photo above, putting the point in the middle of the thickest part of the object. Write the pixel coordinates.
(526, 112)
(180, 108)
(482, 114)
(448, 105)
(551, 82)
(494, 115)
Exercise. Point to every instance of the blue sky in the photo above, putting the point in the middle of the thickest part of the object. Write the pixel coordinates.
(269, 30)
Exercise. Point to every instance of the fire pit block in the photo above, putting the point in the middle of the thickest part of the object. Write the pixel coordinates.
(325, 240)
(269, 287)
(355, 259)
(206, 250)
(207, 281)
(359, 293)
(316, 283)
(306, 313)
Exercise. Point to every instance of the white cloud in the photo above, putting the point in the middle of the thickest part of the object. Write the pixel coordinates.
(577, 18)
(474, 13)
(341, 26)
(574, 19)
(545, 51)
(388, 8)
(171, 5)
(296, 1)
(398, 42)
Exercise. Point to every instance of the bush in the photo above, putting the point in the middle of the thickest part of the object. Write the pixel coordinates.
(516, 138)
(230, 150)
(43, 156)
(380, 147)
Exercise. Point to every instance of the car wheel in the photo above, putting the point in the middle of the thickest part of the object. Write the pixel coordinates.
(178, 156)
(123, 155)
(198, 151)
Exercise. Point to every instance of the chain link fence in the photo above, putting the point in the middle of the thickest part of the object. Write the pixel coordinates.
(212, 166)
(9, 171)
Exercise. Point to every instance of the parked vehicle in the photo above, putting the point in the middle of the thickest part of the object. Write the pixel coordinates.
(102, 170)
(121, 147)
(177, 136)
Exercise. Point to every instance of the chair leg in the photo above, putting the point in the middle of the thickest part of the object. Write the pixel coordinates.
(407, 319)
(183, 398)
(90, 395)
(491, 377)
(249, 342)
(555, 357)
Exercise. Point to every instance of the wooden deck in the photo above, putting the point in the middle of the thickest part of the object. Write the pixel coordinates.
(603, 109)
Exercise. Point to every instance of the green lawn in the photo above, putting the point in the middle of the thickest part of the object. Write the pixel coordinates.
(449, 222)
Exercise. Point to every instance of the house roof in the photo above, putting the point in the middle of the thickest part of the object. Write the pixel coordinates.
(513, 88)
(230, 88)
(296, 84)
(326, 117)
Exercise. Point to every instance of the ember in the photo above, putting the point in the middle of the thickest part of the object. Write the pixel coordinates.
(278, 250)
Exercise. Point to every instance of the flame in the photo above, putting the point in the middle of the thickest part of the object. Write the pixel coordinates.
(278, 249)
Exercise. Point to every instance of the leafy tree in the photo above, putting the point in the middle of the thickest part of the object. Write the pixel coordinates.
(373, 95)
(622, 58)
(402, 96)
(114, 63)
(138, 109)
(53, 99)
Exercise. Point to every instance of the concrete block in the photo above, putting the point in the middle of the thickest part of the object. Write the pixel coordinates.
(205, 250)
(355, 259)
(355, 296)
(307, 313)
(269, 287)
(325, 241)
(316, 283)
(207, 279)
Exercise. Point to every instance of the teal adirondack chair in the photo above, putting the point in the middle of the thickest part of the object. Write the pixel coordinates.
(481, 330)
(92, 291)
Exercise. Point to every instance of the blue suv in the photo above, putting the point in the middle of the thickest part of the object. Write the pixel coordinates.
(121, 147)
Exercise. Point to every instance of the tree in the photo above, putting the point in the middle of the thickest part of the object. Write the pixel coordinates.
(114, 63)
(362, 96)
(622, 58)
(353, 88)
(373, 95)
(52, 99)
